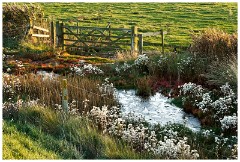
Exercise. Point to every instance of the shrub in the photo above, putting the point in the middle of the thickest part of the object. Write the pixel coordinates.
(143, 87)
(215, 44)
(220, 109)
(16, 22)
(221, 72)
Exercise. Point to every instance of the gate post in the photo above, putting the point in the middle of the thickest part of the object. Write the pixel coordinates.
(140, 44)
(59, 34)
(62, 35)
(162, 33)
(52, 34)
(134, 39)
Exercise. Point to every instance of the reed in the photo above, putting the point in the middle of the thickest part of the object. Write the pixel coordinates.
(84, 92)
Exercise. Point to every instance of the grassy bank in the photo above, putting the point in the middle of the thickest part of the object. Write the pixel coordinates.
(41, 133)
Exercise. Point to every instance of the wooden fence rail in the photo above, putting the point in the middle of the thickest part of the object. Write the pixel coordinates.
(151, 34)
(88, 40)
(91, 39)
(41, 31)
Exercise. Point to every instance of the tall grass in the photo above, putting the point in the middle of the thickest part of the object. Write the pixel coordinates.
(64, 136)
(26, 141)
(84, 91)
(143, 87)
(220, 49)
(215, 44)
(221, 72)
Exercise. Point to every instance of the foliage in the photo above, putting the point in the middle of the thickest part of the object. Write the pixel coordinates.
(147, 140)
(16, 22)
(212, 108)
(171, 141)
(142, 138)
(221, 72)
(215, 44)
(47, 88)
(60, 136)
(173, 68)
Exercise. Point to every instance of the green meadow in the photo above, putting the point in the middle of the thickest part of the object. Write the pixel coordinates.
(180, 20)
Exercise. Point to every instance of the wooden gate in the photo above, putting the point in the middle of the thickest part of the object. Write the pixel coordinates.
(92, 40)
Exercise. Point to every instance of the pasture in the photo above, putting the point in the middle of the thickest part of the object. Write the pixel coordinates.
(181, 20)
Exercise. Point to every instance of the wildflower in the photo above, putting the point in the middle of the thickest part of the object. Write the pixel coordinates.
(86, 69)
(123, 68)
(229, 122)
(191, 89)
(141, 60)
(205, 103)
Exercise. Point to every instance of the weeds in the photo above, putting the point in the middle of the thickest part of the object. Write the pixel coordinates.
(69, 137)
(48, 91)
(221, 72)
(143, 88)
(215, 44)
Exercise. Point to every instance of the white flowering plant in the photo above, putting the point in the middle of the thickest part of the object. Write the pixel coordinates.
(11, 86)
(141, 64)
(86, 69)
(142, 60)
(123, 68)
(106, 88)
(11, 109)
(141, 137)
(220, 109)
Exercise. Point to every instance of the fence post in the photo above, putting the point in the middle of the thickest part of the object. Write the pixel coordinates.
(140, 37)
(62, 35)
(59, 33)
(162, 33)
(77, 28)
(64, 95)
(134, 39)
(109, 30)
(52, 34)
(30, 28)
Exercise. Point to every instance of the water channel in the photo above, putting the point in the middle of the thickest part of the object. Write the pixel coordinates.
(155, 109)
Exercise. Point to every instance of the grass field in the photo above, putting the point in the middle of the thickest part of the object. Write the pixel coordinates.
(181, 20)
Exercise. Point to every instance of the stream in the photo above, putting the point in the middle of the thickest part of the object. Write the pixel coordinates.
(156, 109)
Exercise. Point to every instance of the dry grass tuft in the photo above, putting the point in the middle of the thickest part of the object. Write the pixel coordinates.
(221, 72)
(214, 43)
(84, 91)
(125, 55)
